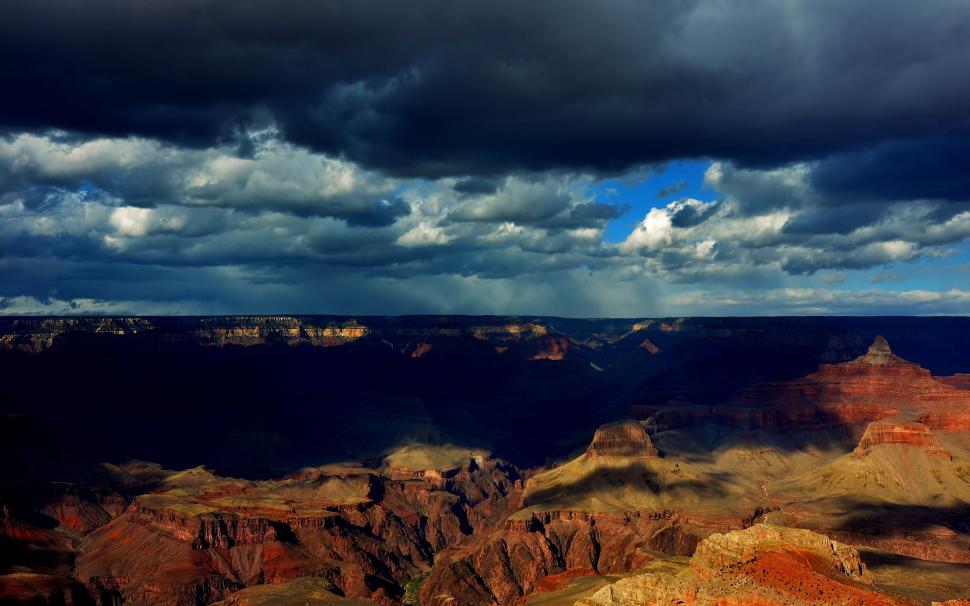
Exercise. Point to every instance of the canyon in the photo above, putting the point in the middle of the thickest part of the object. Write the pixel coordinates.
(480, 461)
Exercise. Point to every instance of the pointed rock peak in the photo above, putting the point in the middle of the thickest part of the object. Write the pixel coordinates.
(623, 439)
(880, 347)
(880, 354)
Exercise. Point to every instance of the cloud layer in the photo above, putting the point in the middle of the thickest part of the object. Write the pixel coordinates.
(208, 156)
(442, 88)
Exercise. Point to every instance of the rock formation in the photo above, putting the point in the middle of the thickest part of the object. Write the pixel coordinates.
(867, 497)
(874, 386)
(596, 514)
(764, 565)
(624, 439)
(849, 395)
(504, 568)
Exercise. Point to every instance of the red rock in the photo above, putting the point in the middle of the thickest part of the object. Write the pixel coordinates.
(552, 349)
(649, 346)
(421, 349)
(877, 385)
(953, 419)
(898, 432)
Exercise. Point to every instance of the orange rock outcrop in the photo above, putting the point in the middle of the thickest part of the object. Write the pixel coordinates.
(900, 432)
(762, 565)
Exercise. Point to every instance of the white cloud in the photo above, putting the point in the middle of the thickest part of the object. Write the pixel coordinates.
(654, 232)
(279, 176)
(288, 212)
(131, 221)
(424, 234)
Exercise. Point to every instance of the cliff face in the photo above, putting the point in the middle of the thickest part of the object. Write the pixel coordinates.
(951, 419)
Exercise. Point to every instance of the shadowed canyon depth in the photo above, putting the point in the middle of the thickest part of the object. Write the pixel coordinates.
(485, 460)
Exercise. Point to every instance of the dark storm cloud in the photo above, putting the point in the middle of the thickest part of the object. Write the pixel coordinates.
(368, 213)
(900, 170)
(438, 87)
(843, 220)
(593, 213)
(689, 215)
(214, 156)
(477, 185)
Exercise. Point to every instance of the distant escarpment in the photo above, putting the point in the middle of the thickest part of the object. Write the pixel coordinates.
(874, 386)
(38, 334)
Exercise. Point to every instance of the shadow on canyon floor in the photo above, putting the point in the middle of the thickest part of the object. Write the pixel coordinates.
(635, 486)
(886, 519)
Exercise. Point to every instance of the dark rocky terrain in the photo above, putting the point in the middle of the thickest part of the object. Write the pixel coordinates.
(484, 460)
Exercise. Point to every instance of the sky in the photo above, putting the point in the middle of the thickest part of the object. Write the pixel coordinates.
(552, 157)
